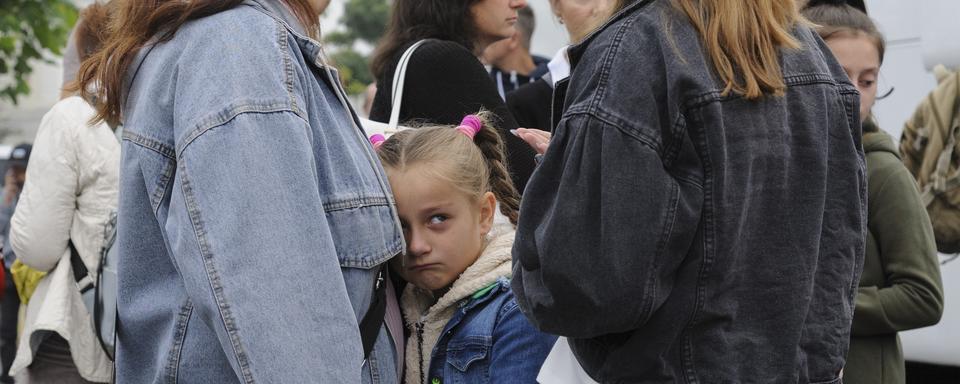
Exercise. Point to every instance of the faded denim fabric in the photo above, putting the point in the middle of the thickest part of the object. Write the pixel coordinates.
(679, 235)
(252, 211)
(489, 340)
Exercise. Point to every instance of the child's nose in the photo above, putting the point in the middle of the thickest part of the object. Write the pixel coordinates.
(417, 244)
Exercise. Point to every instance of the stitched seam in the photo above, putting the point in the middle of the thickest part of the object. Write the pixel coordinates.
(611, 120)
(230, 114)
(709, 228)
(373, 364)
(355, 203)
(509, 307)
(672, 149)
(213, 277)
(651, 284)
(150, 144)
(288, 71)
(183, 320)
(607, 64)
(163, 185)
(689, 180)
(711, 96)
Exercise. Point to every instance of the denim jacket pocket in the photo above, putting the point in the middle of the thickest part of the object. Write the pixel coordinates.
(355, 222)
(462, 354)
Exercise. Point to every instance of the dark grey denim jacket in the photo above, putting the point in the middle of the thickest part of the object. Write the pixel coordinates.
(678, 235)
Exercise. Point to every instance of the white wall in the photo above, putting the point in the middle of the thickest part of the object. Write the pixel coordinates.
(549, 35)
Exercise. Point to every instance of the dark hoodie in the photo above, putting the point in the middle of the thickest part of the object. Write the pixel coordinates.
(900, 287)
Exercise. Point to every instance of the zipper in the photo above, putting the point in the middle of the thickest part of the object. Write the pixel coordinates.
(423, 374)
(338, 89)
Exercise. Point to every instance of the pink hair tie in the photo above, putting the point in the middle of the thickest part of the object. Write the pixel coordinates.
(470, 125)
(377, 140)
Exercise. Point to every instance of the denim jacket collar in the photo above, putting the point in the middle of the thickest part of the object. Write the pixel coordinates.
(311, 48)
(279, 10)
(575, 52)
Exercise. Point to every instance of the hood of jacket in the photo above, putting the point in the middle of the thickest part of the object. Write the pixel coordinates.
(879, 141)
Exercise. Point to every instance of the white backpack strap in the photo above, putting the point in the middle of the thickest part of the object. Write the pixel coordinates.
(398, 79)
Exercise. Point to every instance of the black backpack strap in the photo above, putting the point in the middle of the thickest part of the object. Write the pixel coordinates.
(80, 272)
(372, 322)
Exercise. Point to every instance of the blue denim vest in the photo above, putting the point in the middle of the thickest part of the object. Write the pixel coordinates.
(253, 212)
(489, 340)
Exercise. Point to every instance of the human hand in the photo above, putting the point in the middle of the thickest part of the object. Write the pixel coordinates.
(537, 139)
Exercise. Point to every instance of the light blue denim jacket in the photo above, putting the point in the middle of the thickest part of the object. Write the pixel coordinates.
(252, 211)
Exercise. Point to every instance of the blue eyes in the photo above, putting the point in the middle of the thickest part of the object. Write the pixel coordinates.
(437, 219)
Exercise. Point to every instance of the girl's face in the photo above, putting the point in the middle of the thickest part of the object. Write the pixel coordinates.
(444, 227)
(860, 58)
(494, 20)
(580, 17)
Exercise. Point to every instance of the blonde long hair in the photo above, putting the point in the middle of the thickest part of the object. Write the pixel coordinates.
(743, 38)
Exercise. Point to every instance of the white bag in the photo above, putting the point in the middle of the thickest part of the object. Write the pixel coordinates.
(562, 367)
(399, 76)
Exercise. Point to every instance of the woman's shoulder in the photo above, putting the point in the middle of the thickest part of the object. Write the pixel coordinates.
(68, 119)
(442, 56)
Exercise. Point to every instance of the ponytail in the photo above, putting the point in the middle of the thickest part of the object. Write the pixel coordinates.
(474, 159)
(492, 147)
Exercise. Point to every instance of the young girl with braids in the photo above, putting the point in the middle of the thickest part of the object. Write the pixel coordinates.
(464, 322)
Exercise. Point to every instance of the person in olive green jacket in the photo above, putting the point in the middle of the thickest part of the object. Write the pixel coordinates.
(900, 287)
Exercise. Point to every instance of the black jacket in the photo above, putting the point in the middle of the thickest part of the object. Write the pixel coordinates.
(444, 83)
(679, 235)
(530, 105)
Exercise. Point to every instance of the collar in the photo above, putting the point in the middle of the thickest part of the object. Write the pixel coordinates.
(559, 66)
(575, 52)
(279, 10)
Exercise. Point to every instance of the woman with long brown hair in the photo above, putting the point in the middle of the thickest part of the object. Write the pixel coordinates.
(253, 215)
(445, 79)
(699, 215)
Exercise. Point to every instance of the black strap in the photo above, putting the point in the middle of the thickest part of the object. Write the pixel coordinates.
(373, 320)
(79, 268)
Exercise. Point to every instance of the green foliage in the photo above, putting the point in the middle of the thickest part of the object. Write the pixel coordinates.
(363, 20)
(366, 19)
(353, 70)
(29, 29)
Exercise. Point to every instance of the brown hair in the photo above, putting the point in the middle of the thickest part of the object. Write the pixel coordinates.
(135, 23)
(836, 18)
(91, 29)
(414, 20)
(743, 38)
(474, 166)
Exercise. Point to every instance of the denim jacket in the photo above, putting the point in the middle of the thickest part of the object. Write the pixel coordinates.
(680, 235)
(252, 213)
(475, 333)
